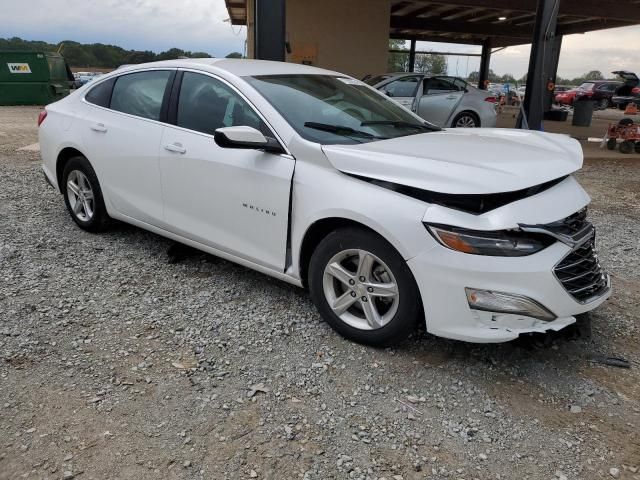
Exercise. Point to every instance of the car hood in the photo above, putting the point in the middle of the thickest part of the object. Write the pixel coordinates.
(462, 161)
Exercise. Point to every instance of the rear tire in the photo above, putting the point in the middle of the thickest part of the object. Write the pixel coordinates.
(466, 120)
(612, 143)
(627, 146)
(83, 195)
(603, 103)
(363, 287)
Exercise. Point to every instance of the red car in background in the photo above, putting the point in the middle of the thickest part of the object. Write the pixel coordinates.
(566, 98)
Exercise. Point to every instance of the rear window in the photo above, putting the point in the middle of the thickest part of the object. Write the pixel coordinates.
(140, 94)
(587, 86)
(101, 94)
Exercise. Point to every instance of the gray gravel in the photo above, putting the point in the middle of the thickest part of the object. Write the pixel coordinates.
(115, 363)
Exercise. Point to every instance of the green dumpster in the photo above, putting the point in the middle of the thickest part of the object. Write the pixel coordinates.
(33, 78)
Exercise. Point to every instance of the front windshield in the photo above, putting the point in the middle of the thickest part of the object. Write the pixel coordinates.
(336, 110)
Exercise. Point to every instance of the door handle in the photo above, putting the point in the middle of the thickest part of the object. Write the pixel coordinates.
(175, 147)
(451, 97)
(98, 127)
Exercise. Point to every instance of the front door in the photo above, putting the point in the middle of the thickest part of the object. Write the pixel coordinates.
(403, 90)
(235, 200)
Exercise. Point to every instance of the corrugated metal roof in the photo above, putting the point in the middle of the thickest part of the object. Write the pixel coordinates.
(506, 22)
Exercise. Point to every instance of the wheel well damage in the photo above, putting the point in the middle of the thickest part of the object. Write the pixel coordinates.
(314, 235)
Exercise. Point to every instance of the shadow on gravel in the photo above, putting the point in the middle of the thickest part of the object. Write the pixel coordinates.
(568, 349)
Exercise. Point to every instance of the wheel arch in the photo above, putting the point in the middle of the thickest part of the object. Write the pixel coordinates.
(66, 154)
(475, 114)
(322, 227)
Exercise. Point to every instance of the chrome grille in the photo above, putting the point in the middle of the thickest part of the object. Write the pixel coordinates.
(581, 274)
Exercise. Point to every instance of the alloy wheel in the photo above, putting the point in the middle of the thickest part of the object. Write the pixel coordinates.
(80, 195)
(466, 121)
(360, 289)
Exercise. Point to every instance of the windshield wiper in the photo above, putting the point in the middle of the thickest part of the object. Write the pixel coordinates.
(401, 124)
(341, 130)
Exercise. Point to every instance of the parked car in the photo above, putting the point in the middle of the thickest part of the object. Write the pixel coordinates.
(629, 92)
(567, 97)
(561, 88)
(442, 100)
(317, 179)
(600, 91)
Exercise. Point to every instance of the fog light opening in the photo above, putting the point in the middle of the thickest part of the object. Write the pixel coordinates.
(508, 303)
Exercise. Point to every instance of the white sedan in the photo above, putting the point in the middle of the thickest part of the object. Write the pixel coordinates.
(442, 100)
(317, 179)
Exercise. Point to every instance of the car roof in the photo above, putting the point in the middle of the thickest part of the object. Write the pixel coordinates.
(235, 66)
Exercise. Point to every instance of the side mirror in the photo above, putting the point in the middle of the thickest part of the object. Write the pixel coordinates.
(247, 138)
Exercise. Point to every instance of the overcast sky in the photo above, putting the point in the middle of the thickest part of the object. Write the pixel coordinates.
(198, 25)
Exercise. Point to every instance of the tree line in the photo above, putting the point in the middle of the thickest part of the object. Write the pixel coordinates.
(99, 55)
(509, 78)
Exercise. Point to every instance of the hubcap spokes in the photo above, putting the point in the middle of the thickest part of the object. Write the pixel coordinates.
(361, 289)
(466, 122)
(80, 195)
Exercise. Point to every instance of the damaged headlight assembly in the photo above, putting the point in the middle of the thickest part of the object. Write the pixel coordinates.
(503, 243)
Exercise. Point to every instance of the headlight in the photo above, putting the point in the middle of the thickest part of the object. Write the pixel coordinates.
(502, 243)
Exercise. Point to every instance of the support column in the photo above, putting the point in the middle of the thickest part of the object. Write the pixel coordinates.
(551, 69)
(270, 29)
(412, 56)
(544, 34)
(485, 61)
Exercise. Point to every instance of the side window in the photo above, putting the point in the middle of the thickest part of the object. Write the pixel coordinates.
(460, 84)
(403, 87)
(140, 93)
(101, 94)
(433, 86)
(206, 104)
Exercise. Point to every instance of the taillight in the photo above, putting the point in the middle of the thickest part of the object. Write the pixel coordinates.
(491, 99)
(41, 117)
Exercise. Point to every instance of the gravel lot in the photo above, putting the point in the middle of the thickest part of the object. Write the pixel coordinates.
(116, 363)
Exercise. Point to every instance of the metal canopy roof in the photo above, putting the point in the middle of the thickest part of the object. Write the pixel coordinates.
(474, 21)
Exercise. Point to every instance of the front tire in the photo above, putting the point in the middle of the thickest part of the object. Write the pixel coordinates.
(83, 195)
(363, 288)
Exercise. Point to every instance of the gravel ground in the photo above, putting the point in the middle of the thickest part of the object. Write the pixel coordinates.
(116, 363)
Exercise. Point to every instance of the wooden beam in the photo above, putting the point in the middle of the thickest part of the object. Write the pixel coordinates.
(436, 25)
(425, 37)
(497, 42)
(591, 26)
(608, 9)
(429, 52)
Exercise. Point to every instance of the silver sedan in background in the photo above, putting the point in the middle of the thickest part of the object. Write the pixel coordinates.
(442, 100)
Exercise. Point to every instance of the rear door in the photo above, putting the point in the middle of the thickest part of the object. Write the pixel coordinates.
(440, 97)
(235, 200)
(122, 132)
(403, 90)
